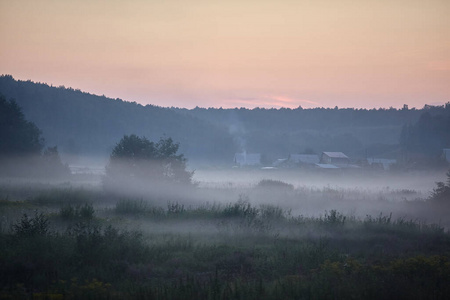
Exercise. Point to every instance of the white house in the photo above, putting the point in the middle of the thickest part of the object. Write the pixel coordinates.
(247, 159)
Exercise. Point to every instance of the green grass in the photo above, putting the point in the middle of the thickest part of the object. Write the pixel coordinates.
(137, 249)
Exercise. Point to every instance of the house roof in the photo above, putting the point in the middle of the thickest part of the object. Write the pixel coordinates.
(335, 154)
(305, 158)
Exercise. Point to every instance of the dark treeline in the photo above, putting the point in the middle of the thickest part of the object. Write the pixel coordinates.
(83, 124)
(428, 136)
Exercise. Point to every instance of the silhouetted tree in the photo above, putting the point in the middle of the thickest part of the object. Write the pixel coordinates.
(17, 135)
(136, 160)
(441, 192)
(52, 164)
(21, 145)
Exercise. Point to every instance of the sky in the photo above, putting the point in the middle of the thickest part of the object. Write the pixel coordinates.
(235, 53)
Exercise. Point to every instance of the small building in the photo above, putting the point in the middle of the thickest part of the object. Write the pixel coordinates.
(247, 159)
(281, 162)
(334, 158)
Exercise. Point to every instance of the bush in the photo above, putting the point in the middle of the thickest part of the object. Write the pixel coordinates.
(175, 208)
(241, 209)
(441, 192)
(275, 184)
(139, 162)
(37, 225)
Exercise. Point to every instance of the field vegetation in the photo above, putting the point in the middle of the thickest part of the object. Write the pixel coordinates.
(267, 240)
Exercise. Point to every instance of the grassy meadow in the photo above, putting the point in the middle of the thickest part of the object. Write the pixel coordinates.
(244, 235)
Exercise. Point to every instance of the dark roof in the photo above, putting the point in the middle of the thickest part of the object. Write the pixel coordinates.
(335, 154)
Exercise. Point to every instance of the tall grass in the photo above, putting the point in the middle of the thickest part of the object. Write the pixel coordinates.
(251, 252)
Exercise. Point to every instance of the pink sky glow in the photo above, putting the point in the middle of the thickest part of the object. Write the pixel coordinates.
(251, 53)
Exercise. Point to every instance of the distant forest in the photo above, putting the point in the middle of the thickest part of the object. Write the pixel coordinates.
(83, 125)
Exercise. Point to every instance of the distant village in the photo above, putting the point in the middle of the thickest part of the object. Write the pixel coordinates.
(325, 160)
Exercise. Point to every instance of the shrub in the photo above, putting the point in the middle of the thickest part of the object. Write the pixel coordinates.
(441, 192)
(333, 217)
(271, 212)
(242, 208)
(37, 225)
(105, 247)
(274, 184)
(175, 208)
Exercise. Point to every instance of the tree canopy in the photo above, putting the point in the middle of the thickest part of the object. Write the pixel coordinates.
(441, 193)
(17, 135)
(84, 124)
(137, 160)
(429, 135)
(21, 146)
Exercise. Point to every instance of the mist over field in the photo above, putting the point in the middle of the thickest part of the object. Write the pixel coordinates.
(257, 149)
(308, 193)
(107, 199)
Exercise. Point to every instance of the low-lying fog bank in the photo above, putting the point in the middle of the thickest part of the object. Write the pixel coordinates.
(419, 181)
(309, 193)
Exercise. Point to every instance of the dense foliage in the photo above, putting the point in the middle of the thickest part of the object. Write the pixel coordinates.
(429, 135)
(256, 252)
(441, 193)
(17, 135)
(136, 160)
(85, 124)
(82, 124)
(21, 146)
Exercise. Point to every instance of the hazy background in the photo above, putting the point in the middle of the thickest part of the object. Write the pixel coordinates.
(234, 53)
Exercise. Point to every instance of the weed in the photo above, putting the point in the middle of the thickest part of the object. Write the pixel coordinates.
(241, 209)
(272, 212)
(380, 220)
(175, 208)
(333, 217)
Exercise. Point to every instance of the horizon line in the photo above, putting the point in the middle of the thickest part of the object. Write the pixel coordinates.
(225, 107)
